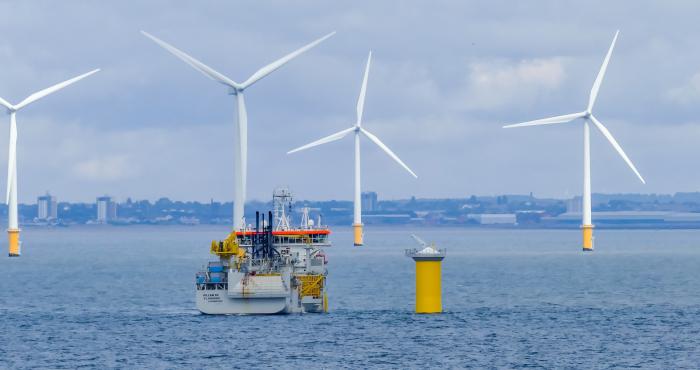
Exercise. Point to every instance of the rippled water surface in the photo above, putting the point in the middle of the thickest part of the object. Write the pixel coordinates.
(124, 297)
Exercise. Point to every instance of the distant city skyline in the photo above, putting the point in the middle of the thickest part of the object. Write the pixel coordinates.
(656, 211)
(149, 126)
(369, 198)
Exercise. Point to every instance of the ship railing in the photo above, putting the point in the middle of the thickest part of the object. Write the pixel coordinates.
(438, 252)
(212, 286)
(301, 239)
(282, 242)
(266, 264)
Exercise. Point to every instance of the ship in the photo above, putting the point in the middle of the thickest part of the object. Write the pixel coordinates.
(269, 268)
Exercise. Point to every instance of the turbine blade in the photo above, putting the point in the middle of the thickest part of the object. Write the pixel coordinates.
(194, 63)
(387, 151)
(617, 147)
(12, 157)
(330, 138)
(549, 121)
(601, 74)
(40, 94)
(266, 70)
(363, 92)
(5, 104)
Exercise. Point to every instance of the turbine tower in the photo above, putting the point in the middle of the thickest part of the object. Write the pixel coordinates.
(587, 116)
(357, 129)
(235, 88)
(11, 199)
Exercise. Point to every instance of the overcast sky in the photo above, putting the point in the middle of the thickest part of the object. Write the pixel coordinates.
(445, 77)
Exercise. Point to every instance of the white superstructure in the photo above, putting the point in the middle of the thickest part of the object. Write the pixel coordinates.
(273, 268)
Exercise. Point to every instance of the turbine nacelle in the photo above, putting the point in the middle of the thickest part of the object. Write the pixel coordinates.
(9, 108)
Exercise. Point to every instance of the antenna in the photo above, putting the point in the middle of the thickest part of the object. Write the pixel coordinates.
(305, 221)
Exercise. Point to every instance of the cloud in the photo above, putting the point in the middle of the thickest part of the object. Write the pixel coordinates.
(498, 83)
(688, 93)
(440, 88)
(108, 168)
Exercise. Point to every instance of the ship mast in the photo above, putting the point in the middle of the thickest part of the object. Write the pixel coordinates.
(281, 202)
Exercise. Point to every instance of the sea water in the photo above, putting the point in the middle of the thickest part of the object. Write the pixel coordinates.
(123, 297)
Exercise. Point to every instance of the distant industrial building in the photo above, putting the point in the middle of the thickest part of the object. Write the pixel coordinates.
(106, 209)
(369, 201)
(398, 218)
(529, 217)
(661, 219)
(493, 218)
(47, 207)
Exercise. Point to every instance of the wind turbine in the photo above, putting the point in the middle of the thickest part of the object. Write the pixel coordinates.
(357, 129)
(587, 116)
(11, 199)
(235, 88)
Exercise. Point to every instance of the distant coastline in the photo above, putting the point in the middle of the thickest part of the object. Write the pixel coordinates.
(508, 211)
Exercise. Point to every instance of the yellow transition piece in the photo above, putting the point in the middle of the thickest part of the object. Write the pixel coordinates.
(587, 238)
(428, 287)
(357, 232)
(13, 239)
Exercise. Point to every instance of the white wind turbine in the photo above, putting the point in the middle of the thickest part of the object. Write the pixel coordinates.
(241, 142)
(357, 129)
(11, 199)
(587, 116)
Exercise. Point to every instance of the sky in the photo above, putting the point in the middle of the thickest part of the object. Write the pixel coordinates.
(445, 77)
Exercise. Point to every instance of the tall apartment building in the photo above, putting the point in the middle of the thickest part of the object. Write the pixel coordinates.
(47, 207)
(369, 201)
(106, 209)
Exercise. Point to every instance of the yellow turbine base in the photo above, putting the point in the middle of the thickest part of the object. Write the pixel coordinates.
(13, 242)
(587, 238)
(325, 302)
(357, 233)
(428, 287)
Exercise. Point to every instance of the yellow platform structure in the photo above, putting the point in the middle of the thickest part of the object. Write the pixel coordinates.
(13, 242)
(428, 278)
(587, 237)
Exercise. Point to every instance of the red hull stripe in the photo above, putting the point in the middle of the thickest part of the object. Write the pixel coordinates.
(287, 232)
